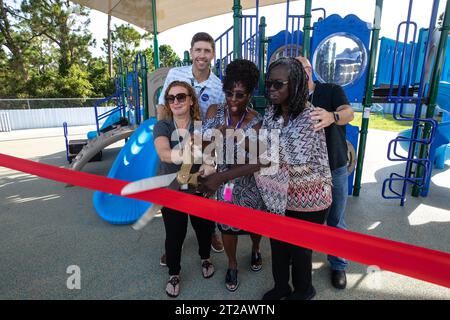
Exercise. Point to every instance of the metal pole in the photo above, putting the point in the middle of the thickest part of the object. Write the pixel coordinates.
(237, 24)
(368, 97)
(144, 71)
(306, 30)
(123, 87)
(186, 58)
(155, 37)
(257, 39)
(287, 29)
(262, 42)
(434, 87)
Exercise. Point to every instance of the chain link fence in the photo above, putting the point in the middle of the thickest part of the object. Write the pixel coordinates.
(50, 103)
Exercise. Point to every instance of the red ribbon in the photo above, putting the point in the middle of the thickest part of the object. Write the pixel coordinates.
(417, 262)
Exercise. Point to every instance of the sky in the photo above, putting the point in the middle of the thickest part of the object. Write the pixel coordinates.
(179, 37)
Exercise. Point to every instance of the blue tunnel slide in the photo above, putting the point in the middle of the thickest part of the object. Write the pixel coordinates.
(137, 160)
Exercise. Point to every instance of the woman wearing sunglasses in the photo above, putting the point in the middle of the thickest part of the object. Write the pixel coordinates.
(182, 107)
(236, 115)
(300, 184)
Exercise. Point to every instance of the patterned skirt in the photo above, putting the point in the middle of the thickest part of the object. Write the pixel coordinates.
(246, 194)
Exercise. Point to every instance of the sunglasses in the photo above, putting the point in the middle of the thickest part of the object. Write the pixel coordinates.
(236, 95)
(277, 84)
(181, 97)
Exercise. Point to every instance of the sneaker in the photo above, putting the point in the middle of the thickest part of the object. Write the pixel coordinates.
(162, 260)
(216, 244)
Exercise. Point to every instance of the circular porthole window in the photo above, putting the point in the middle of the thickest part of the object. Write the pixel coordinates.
(339, 58)
(292, 51)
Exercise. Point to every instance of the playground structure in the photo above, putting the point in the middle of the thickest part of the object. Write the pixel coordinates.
(130, 100)
(342, 50)
(125, 254)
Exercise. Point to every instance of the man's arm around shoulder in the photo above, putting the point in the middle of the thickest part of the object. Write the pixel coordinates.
(344, 112)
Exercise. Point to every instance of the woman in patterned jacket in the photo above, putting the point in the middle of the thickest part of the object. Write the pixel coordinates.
(236, 115)
(298, 182)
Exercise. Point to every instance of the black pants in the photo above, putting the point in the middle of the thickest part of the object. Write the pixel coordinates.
(283, 253)
(176, 223)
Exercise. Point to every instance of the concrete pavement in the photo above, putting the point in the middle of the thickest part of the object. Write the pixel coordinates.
(45, 228)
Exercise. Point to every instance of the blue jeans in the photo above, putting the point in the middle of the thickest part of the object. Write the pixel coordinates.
(336, 215)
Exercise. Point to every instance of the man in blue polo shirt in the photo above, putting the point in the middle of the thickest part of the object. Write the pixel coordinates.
(207, 86)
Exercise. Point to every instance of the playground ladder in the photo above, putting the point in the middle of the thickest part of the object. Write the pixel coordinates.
(412, 161)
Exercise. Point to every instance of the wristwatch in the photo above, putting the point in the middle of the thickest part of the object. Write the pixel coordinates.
(336, 117)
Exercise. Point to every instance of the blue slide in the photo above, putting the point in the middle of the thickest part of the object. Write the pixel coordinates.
(443, 143)
(137, 160)
(113, 118)
(440, 149)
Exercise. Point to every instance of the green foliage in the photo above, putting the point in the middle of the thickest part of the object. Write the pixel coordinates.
(125, 42)
(382, 122)
(76, 83)
(63, 24)
(45, 51)
(102, 84)
(168, 57)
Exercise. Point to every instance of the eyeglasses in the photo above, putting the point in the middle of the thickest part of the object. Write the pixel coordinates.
(181, 97)
(277, 84)
(236, 95)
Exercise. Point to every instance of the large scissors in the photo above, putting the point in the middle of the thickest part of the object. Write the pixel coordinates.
(181, 180)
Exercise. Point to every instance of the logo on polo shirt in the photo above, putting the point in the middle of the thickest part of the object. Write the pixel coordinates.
(204, 97)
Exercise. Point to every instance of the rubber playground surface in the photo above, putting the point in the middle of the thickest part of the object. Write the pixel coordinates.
(45, 228)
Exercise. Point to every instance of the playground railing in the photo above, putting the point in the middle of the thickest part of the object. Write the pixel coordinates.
(249, 43)
(294, 40)
(108, 113)
(66, 138)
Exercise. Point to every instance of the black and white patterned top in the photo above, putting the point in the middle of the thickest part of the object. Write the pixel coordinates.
(245, 192)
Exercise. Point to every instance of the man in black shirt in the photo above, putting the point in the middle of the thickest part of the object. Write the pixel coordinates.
(333, 112)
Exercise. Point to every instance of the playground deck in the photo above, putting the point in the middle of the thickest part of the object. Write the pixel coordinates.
(46, 227)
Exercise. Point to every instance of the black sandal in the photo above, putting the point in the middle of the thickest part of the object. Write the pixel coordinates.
(206, 266)
(256, 261)
(231, 279)
(175, 282)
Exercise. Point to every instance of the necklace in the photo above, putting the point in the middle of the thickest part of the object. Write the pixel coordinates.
(180, 138)
(238, 125)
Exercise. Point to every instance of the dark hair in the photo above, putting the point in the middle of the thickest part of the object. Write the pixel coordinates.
(203, 36)
(298, 85)
(195, 108)
(243, 71)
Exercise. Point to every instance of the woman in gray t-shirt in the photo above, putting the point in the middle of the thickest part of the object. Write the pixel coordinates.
(182, 106)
